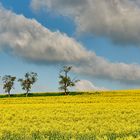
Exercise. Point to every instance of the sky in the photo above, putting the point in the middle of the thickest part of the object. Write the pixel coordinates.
(99, 39)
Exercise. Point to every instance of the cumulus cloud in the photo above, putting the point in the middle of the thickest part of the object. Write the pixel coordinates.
(104, 69)
(115, 19)
(85, 85)
(29, 39)
(33, 42)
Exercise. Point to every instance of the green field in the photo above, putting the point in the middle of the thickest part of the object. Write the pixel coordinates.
(85, 116)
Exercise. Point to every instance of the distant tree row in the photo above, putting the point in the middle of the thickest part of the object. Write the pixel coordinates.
(30, 78)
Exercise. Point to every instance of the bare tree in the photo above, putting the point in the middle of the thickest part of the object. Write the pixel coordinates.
(28, 80)
(8, 83)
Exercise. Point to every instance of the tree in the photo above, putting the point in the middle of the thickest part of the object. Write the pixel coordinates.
(65, 81)
(28, 80)
(8, 83)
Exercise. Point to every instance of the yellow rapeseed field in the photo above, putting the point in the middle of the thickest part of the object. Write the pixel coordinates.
(104, 116)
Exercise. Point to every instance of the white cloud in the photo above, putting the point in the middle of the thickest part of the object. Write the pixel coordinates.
(30, 40)
(85, 85)
(104, 69)
(116, 19)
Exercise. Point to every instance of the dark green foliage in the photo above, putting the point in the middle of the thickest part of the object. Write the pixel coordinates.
(8, 83)
(43, 94)
(28, 80)
(65, 81)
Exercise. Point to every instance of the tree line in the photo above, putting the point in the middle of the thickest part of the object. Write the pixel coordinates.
(30, 78)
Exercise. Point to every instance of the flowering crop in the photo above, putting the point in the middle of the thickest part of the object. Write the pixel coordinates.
(105, 116)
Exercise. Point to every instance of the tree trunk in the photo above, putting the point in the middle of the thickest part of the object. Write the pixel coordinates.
(9, 94)
(66, 83)
(27, 93)
(65, 91)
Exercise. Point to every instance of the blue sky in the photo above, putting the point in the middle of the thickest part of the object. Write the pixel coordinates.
(94, 38)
